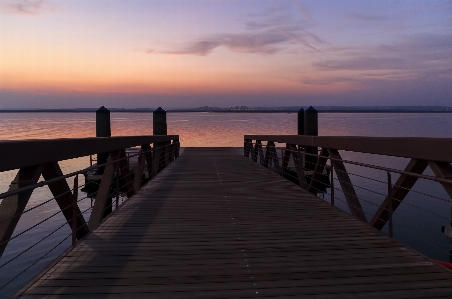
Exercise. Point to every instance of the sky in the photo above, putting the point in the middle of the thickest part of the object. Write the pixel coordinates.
(182, 53)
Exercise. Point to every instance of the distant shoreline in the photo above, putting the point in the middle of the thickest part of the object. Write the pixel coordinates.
(220, 111)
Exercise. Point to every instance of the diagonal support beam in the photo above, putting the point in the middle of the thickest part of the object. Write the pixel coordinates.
(315, 182)
(126, 174)
(298, 160)
(443, 170)
(267, 155)
(274, 158)
(63, 196)
(104, 192)
(256, 150)
(346, 185)
(138, 172)
(261, 154)
(398, 193)
(248, 144)
(146, 148)
(12, 207)
(285, 160)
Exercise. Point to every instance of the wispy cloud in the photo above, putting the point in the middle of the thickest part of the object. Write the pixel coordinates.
(263, 42)
(419, 58)
(26, 7)
(267, 32)
(418, 52)
(365, 17)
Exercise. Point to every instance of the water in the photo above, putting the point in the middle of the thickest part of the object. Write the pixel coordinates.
(417, 221)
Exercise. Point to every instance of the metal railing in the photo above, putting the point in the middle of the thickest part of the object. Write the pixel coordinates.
(113, 183)
(382, 196)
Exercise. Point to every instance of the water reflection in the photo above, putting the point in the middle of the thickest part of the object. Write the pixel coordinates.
(227, 130)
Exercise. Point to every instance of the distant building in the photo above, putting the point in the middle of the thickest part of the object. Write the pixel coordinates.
(208, 108)
(240, 108)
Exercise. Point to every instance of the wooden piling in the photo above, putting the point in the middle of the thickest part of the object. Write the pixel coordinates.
(311, 129)
(160, 149)
(103, 129)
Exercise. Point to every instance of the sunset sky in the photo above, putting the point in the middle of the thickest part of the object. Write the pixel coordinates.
(149, 53)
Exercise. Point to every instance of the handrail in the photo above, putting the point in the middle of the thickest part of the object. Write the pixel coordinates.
(26, 153)
(33, 158)
(310, 171)
(433, 149)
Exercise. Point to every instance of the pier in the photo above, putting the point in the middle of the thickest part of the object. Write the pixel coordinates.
(281, 217)
(214, 225)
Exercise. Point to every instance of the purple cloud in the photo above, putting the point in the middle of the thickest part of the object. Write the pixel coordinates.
(268, 32)
(419, 53)
(26, 7)
(263, 43)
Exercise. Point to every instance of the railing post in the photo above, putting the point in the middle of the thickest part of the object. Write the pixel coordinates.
(177, 142)
(332, 184)
(247, 145)
(256, 150)
(74, 211)
(267, 155)
(391, 232)
(117, 185)
(285, 159)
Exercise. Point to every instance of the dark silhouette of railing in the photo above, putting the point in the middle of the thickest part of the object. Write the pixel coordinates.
(36, 158)
(316, 176)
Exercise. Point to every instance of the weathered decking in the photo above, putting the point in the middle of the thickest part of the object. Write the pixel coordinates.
(215, 225)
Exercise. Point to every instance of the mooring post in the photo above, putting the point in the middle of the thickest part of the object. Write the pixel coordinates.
(103, 129)
(300, 122)
(311, 129)
(159, 128)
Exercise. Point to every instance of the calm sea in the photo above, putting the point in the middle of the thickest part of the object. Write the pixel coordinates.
(417, 222)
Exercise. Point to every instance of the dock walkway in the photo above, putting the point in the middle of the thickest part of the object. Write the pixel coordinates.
(215, 225)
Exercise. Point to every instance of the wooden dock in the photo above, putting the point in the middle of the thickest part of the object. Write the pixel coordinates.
(215, 225)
